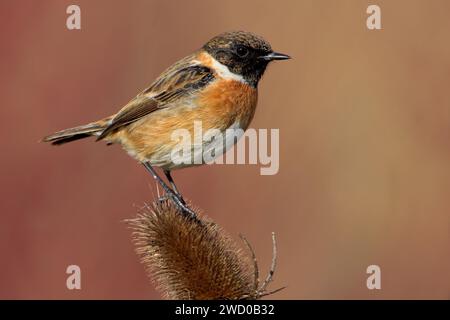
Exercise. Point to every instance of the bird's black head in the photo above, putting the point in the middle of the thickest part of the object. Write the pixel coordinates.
(243, 53)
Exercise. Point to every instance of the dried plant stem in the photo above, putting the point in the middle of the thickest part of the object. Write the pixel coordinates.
(260, 290)
(273, 266)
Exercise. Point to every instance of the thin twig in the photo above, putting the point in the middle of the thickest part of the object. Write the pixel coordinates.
(263, 294)
(269, 277)
(255, 263)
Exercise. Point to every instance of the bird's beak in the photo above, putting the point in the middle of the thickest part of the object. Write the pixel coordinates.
(275, 56)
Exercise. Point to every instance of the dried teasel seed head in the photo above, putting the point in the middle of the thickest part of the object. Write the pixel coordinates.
(191, 258)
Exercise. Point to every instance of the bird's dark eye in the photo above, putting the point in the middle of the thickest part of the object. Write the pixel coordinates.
(242, 51)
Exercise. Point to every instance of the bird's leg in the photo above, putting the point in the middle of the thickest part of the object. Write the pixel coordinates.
(174, 187)
(180, 204)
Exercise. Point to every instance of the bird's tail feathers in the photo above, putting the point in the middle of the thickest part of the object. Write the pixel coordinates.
(76, 133)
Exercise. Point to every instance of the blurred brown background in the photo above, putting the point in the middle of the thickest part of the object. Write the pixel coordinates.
(364, 119)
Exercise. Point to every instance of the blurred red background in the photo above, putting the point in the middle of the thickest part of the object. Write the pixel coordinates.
(364, 130)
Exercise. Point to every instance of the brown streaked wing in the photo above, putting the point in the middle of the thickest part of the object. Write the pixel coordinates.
(134, 110)
(163, 81)
(182, 79)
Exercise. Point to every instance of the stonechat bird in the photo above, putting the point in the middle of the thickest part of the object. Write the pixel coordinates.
(216, 85)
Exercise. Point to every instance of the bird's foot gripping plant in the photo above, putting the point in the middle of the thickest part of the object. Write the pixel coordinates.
(194, 258)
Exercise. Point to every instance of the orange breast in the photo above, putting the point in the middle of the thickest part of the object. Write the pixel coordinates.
(226, 101)
(220, 105)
